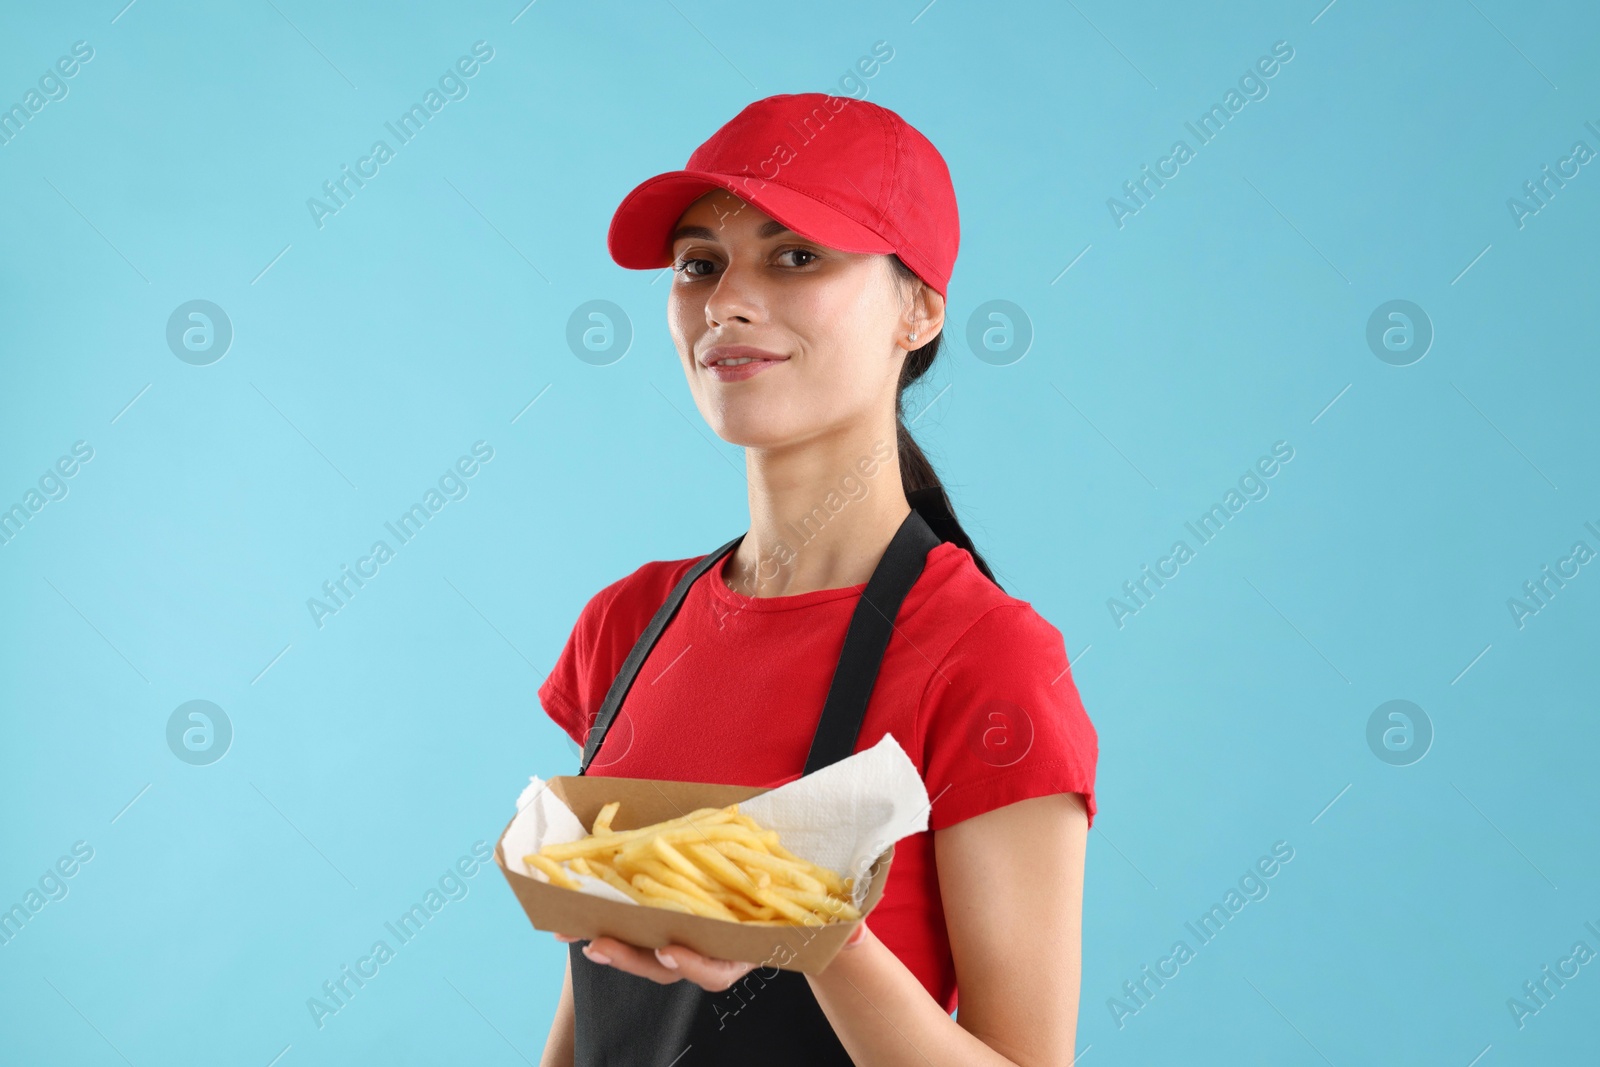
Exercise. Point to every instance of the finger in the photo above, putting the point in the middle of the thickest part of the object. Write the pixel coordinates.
(568, 938)
(707, 972)
(608, 951)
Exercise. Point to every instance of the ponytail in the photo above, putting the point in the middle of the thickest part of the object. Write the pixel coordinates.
(924, 491)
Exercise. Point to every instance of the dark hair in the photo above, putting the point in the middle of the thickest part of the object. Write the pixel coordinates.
(923, 489)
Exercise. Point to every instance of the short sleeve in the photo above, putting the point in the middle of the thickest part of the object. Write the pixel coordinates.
(606, 630)
(572, 692)
(565, 679)
(1001, 720)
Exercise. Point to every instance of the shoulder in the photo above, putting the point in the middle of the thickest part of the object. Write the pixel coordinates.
(1000, 718)
(965, 610)
(605, 632)
(634, 598)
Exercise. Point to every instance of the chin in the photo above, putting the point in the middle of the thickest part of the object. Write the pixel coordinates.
(748, 434)
(754, 426)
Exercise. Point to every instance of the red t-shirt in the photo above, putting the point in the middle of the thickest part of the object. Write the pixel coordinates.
(974, 686)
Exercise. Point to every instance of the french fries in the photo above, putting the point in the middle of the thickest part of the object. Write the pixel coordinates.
(714, 862)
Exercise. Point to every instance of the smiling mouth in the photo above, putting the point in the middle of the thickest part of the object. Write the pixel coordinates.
(738, 368)
(740, 355)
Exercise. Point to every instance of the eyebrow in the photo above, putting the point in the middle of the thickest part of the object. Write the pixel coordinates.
(770, 228)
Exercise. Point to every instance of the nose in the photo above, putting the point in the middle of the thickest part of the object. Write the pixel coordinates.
(736, 298)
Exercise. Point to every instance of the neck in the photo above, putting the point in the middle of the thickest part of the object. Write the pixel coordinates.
(821, 514)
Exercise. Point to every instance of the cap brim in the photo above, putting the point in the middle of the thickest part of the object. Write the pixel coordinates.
(640, 236)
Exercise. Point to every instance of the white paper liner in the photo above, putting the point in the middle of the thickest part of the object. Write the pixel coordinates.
(842, 817)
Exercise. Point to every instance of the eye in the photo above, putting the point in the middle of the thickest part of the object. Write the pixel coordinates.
(684, 266)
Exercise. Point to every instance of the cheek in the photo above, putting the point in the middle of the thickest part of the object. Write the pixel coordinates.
(677, 315)
(838, 337)
(686, 322)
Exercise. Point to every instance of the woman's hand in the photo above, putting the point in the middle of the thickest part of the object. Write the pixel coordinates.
(675, 962)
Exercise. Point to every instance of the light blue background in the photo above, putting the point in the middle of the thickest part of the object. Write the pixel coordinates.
(1228, 314)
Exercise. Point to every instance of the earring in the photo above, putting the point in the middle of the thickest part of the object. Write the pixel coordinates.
(913, 335)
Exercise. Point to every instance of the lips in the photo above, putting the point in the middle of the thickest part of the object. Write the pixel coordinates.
(723, 353)
(733, 363)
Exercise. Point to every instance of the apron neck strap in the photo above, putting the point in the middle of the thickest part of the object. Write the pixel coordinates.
(641, 649)
(864, 643)
(871, 626)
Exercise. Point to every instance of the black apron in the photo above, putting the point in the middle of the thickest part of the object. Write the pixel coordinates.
(627, 1021)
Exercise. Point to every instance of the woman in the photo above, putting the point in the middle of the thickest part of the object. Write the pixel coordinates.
(812, 240)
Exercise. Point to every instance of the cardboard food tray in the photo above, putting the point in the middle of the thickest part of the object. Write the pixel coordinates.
(807, 949)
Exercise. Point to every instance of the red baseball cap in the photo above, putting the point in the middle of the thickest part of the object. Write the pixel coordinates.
(840, 171)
